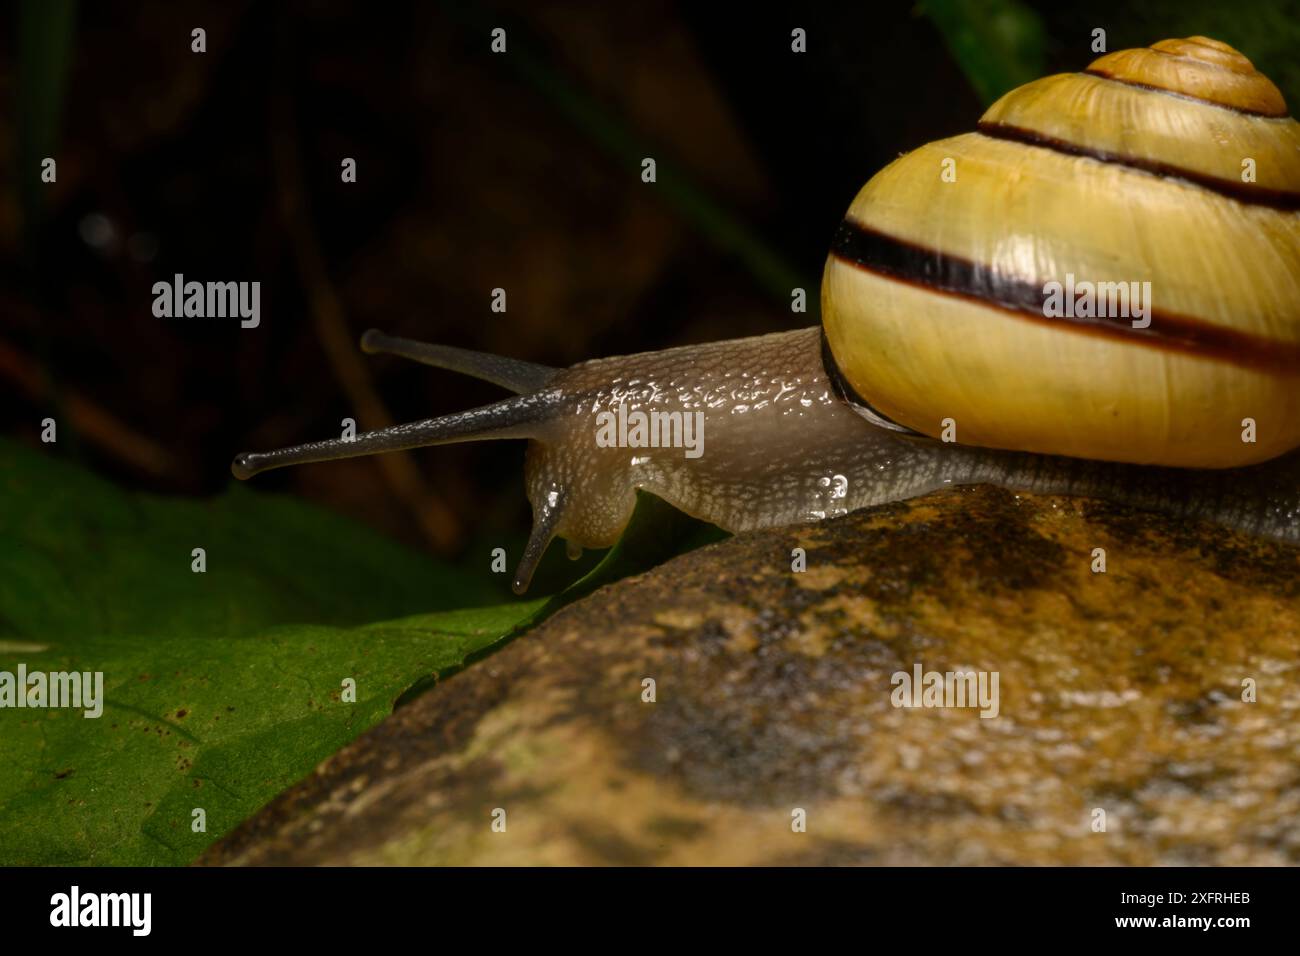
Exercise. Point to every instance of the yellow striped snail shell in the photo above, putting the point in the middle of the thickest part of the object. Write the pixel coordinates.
(936, 310)
(1130, 171)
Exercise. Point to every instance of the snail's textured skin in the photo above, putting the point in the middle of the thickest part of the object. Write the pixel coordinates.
(1118, 691)
(781, 447)
(775, 436)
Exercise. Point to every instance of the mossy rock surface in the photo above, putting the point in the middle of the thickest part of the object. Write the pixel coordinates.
(1119, 692)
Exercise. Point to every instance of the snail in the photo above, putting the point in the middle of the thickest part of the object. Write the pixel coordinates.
(937, 362)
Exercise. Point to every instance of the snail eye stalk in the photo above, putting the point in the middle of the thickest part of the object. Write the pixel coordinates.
(511, 418)
(524, 416)
(522, 378)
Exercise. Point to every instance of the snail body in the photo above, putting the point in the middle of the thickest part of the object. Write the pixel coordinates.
(933, 322)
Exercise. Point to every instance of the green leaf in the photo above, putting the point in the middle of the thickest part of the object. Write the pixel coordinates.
(45, 55)
(221, 688)
(216, 694)
(999, 44)
(221, 726)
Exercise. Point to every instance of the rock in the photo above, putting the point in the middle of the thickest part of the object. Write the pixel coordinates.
(1119, 693)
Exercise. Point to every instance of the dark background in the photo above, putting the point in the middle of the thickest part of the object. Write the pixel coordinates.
(474, 171)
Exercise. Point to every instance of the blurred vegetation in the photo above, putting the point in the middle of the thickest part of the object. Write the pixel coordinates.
(45, 32)
(998, 43)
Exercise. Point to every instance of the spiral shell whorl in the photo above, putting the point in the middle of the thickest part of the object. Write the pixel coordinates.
(1197, 67)
(1195, 114)
(1129, 172)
